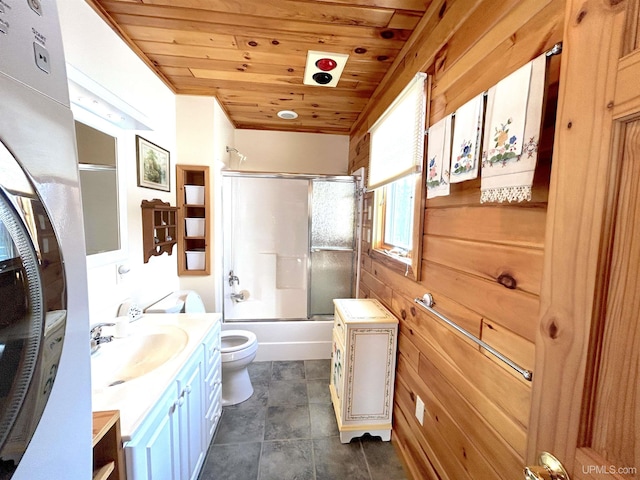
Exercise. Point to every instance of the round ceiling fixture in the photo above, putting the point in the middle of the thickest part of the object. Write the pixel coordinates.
(326, 64)
(322, 78)
(287, 114)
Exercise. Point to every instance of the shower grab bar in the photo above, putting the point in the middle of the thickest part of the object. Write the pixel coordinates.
(427, 303)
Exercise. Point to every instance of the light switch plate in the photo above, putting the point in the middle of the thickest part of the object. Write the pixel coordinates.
(419, 409)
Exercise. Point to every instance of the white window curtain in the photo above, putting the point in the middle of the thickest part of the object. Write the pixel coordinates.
(397, 137)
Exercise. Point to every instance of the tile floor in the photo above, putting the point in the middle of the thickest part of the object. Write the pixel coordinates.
(287, 431)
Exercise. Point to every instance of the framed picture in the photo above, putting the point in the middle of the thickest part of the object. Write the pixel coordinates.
(153, 165)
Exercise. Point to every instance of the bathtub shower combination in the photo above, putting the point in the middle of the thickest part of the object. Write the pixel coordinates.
(289, 245)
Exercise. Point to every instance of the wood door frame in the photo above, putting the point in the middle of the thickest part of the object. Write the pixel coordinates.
(580, 219)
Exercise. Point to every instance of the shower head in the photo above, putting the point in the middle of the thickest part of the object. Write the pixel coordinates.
(235, 150)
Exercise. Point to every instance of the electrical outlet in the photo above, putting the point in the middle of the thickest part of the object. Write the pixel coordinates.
(419, 409)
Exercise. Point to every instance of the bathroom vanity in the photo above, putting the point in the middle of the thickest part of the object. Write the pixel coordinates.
(363, 363)
(169, 414)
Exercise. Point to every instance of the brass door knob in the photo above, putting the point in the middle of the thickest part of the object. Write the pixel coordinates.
(548, 468)
(537, 473)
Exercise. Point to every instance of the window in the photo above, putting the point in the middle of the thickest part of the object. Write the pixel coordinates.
(395, 166)
(398, 218)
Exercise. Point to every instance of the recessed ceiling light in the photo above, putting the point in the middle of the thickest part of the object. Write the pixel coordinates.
(287, 114)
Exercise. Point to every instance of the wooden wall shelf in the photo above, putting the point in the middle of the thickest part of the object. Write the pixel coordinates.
(194, 216)
(159, 228)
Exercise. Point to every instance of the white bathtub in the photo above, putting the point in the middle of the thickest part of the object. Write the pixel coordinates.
(295, 340)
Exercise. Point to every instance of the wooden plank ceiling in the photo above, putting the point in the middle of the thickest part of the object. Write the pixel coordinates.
(251, 54)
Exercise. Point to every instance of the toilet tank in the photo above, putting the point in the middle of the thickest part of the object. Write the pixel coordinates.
(182, 301)
(192, 302)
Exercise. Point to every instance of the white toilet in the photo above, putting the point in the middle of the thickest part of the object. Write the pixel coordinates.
(238, 351)
(238, 347)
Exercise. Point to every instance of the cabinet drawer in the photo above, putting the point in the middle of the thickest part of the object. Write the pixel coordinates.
(213, 354)
(216, 407)
(213, 362)
(213, 381)
(214, 412)
(212, 349)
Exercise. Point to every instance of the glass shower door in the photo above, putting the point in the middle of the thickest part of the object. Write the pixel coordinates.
(332, 244)
(265, 248)
(288, 245)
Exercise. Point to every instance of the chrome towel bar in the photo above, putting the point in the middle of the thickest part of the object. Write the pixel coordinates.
(427, 303)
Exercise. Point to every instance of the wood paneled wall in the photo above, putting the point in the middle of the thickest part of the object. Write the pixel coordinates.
(482, 263)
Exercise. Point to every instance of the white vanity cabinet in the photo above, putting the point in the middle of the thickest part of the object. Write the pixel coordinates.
(172, 441)
(169, 444)
(363, 362)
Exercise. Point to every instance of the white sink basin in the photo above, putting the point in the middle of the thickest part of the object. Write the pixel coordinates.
(125, 359)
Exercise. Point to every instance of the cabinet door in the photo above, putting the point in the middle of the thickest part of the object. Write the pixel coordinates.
(162, 456)
(154, 454)
(192, 425)
(369, 386)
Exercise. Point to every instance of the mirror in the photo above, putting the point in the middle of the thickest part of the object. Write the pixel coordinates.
(97, 163)
(103, 194)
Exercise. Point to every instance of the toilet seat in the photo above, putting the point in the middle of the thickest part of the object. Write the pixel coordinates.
(237, 344)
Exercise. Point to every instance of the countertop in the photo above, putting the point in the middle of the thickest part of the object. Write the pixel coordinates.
(135, 398)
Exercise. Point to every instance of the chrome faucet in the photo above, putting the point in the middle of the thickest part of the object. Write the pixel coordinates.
(96, 336)
(233, 279)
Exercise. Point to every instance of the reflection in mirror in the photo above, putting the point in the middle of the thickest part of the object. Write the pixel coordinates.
(7, 250)
(99, 184)
(33, 296)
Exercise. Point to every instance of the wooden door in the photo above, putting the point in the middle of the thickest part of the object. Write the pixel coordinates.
(586, 390)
